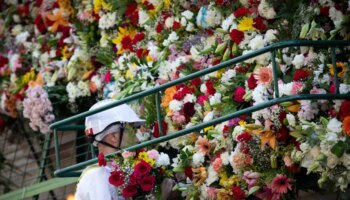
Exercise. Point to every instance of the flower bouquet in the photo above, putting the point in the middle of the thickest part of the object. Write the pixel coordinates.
(139, 175)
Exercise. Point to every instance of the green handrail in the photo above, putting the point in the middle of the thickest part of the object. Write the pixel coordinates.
(72, 170)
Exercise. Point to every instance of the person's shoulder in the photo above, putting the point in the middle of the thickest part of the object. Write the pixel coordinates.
(94, 171)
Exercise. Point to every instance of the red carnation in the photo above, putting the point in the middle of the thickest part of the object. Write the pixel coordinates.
(40, 25)
(138, 37)
(156, 133)
(300, 74)
(236, 36)
(129, 191)
(238, 193)
(147, 183)
(101, 160)
(116, 178)
(142, 168)
(179, 95)
(332, 88)
(344, 110)
(210, 87)
(176, 25)
(202, 99)
(252, 82)
(196, 82)
(132, 13)
(159, 27)
(259, 24)
(244, 137)
(238, 94)
(240, 12)
(188, 110)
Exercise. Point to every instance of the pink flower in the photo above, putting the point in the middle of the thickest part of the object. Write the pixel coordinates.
(297, 87)
(241, 160)
(212, 193)
(203, 145)
(281, 184)
(127, 154)
(217, 164)
(238, 94)
(287, 161)
(251, 178)
(178, 118)
(202, 99)
(153, 154)
(263, 75)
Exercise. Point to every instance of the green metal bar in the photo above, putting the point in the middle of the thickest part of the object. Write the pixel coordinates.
(159, 114)
(275, 75)
(233, 61)
(71, 128)
(57, 149)
(44, 156)
(71, 170)
(93, 154)
(334, 62)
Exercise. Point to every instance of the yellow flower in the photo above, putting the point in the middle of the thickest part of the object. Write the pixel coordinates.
(246, 24)
(340, 67)
(66, 53)
(124, 39)
(223, 195)
(242, 123)
(208, 128)
(167, 4)
(28, 77)
(101, 4)
(129, 75)
(150, 161)
(143, 156)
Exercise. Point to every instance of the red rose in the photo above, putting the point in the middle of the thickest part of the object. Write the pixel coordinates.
(238, 94)
(116, 178)
(240, 12)
(196, 82)
(210, 87)
(147, 183)
(236, 36)
(202, 99)
(252, 82)
(101, 160)
(156, 133)
(133, 179)
(259, 24)
(142, 168)
(129, 191)
(344, 110)
(244, 137)
(188, 110)
(238, 193)
(300, 74)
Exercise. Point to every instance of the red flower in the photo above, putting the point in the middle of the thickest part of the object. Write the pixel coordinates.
(101, 160)
(236, 36)
(252, 82)
(138, 37)
(23, 10)
(142, 168)
(238, 193)
(324, 11)
(300, 74)
(141, 53)
(202, 99)
(40, 25)
(132, 13)
(108, 77)
(259, 24)
(189, 172)
(147, 183)
(281, 184)
(181, 93)
(176, 25)
(127, 43)
(2, 124)
(283, 134)
(133, 179)
(159, 27)
(116, 178)
(3, 61)
(196, 82)
(344, 110)
(244, 137)
(129, 191)
(188, 110)
(210, 87)
(156, 133)
(220, 2)
(238, 94)
(240, 12)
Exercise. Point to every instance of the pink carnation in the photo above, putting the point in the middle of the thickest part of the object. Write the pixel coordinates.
(217, 164)
(153, 154)
(127, 154)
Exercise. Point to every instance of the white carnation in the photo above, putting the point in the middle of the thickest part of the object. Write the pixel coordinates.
(212, 176)
(334, 125)
(189, 98)
(257, 42)
(107, 20)
(265, 10)
(197, 159)
(298, 61)
(215, 99)
(175, 105)
(169, 22)
(187, 14)
(163, 160)
(228, 22)
(270, 35)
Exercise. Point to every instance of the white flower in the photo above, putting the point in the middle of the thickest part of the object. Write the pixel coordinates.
(237, 130)
(143, 17)
(344, 88)
(285, 89)
(190, 27)
(172, 37)
(187, 14)
(225, 158)
(98, 83)
(336, 16)
(215, 99)
(208, 17)
(198, 159)
(209, 116)
(228, 75)
(332, 160)
(291, 120)
(212, 176)
(163, 160)
(153, 51)
(228, 22)
(175, 105)
(17, 29)
(259, 94)
(334, 125)
(107, 20)
(270, 35)
(345, 159)
(298, 61)
(257, 42)
(265, 10)
(142, 136)
(304, 147)
(22, 37)
(169, 22)
(189, 98)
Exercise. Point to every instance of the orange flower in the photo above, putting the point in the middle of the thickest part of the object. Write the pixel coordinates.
(263, 75)
(38, 81)
(168, 96)
(266, 137)
(340, 67)
(294, 108)
(346, 125)
(203, 145)
(58, 19)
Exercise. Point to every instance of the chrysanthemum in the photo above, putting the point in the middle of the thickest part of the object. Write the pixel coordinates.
(281, 184)
(263, 75)
(246, 24)
(340, 68)
(346, 125)
(124, 39)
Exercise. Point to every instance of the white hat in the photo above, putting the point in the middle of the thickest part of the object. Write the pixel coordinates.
(98, 122)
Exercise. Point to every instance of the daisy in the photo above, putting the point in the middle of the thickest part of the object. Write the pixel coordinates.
(263, 75)
(281, 184)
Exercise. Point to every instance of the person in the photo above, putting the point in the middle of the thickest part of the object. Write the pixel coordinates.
(107, 130)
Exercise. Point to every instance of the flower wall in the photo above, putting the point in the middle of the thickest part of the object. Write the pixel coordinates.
(58, 57)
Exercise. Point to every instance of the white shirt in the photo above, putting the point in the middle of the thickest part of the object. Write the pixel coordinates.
(94, 185)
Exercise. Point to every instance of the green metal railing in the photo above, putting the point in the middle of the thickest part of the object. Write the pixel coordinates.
(75, 170)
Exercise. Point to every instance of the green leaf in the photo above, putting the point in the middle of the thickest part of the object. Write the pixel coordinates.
(253, 190)
(338, 149)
